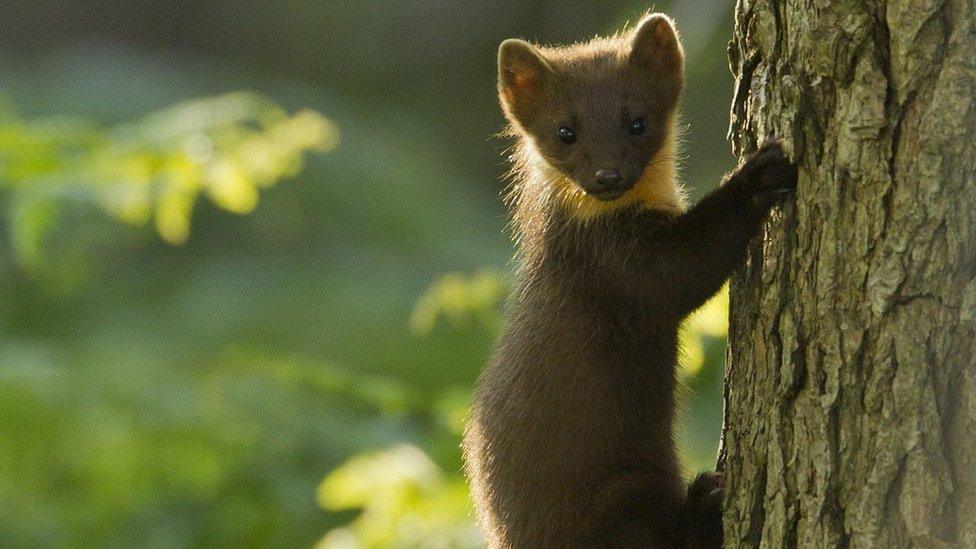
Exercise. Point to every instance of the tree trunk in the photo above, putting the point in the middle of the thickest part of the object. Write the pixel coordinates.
(851, 385)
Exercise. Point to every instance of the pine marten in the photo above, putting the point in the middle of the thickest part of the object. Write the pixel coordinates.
(571, 440)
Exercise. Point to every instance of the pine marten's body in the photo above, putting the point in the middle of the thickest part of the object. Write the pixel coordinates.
(571, 443)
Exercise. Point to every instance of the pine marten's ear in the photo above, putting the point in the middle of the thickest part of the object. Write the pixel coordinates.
(522, 77)
(655, 47)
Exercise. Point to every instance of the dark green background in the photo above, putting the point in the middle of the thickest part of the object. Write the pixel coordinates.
(197, 395)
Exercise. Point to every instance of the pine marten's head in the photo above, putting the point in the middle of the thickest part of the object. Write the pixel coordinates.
(595, 121)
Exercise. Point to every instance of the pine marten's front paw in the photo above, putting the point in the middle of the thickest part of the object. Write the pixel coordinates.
(772, 168)
(766, 174)
(703, 511)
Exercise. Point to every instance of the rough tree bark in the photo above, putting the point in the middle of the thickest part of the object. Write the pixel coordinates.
(851, 385)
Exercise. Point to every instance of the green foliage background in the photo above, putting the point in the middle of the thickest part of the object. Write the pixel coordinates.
(253, 259)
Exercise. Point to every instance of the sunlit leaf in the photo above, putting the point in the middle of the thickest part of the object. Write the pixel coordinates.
(405, 501)
(711, 320)
(230, 188)
(461, 300)
(173, 211)
(225, 147)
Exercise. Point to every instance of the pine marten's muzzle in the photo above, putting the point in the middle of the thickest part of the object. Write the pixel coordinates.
(608, 184)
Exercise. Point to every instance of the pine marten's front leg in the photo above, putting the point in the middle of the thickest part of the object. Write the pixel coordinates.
(703, 247)
(697, 251)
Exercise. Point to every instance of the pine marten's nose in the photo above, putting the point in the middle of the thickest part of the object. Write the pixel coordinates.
(608, 178)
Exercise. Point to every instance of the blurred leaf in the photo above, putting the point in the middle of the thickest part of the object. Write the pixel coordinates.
(453, 409)
(30, 220)
(461, 301)
(709, 321)
(405, 501)
(227, 146)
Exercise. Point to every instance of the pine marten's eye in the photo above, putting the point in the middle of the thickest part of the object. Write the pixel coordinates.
(566, 135)
(636, 127)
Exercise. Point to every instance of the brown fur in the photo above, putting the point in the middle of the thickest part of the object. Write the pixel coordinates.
(571, 442)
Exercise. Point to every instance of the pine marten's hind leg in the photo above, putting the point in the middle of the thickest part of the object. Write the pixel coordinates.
(637, 510)
(702, 513)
